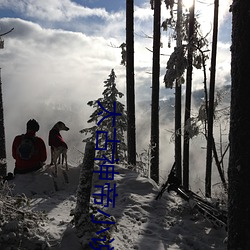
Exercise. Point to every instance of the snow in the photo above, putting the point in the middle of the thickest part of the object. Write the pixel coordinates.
(142, 222)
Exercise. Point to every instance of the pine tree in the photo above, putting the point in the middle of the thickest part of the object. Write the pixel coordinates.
(154, 169)
(188, 53)
(109, 99)
(191, 26)
(130, 85)
(238, 169)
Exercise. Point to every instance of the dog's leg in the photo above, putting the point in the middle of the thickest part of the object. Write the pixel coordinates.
(66, 161)
(63, 157)
(51, 155)
(55, 158)
(59, 159)
(56, 170)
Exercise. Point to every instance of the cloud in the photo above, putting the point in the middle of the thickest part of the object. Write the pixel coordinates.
(205, 13)
(31, 45)
(56, 10)
(47, 61)
(143, 12)
(51, 75)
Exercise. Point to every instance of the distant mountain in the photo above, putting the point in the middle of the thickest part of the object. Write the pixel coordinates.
(167, 106)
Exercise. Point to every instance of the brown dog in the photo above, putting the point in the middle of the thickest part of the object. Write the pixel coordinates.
(58, 146)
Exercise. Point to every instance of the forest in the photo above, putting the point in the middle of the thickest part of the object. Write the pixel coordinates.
(218, 115)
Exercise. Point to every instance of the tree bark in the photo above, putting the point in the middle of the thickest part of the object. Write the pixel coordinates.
(188, 97)
(178, 158)
(131, 131)
(154, 169)
(83, 193)
(211, 102)
(3, 161)
(239, 159)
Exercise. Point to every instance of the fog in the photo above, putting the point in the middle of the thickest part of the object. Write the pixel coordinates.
(51, 69)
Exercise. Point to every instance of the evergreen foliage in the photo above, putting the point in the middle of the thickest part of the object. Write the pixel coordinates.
(110, 96)
(177, 62)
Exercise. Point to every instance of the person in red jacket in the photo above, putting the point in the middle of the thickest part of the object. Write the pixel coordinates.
(29, 150)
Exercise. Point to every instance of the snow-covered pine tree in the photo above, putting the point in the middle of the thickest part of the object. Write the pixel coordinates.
(110, 95)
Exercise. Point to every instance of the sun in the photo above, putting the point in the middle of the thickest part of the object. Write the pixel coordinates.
(188, 3)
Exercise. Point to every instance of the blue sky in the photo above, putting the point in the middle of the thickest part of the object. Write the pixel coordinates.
(109, 5)
(61, 52)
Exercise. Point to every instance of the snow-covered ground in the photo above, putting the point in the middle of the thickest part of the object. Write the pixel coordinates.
(142, 222)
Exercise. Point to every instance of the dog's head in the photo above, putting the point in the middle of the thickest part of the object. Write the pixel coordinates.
(61, 126)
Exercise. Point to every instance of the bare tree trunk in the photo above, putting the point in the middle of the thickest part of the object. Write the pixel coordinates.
(239, 159)
(3, 161)
(188, 98)
(154, 169)
(131, 131)
(211, 102)
(218, 164)
(178, 158)
(83, 193)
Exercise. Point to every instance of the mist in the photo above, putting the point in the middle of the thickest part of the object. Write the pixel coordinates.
(50, 70)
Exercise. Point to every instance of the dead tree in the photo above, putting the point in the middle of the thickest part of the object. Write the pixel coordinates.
(211, 102)
(3, 162)
(83, 193)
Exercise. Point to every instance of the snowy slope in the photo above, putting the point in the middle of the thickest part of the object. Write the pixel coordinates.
(141, 221)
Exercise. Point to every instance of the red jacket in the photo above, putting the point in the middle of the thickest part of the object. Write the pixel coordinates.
(37, 159)
(55, 139)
